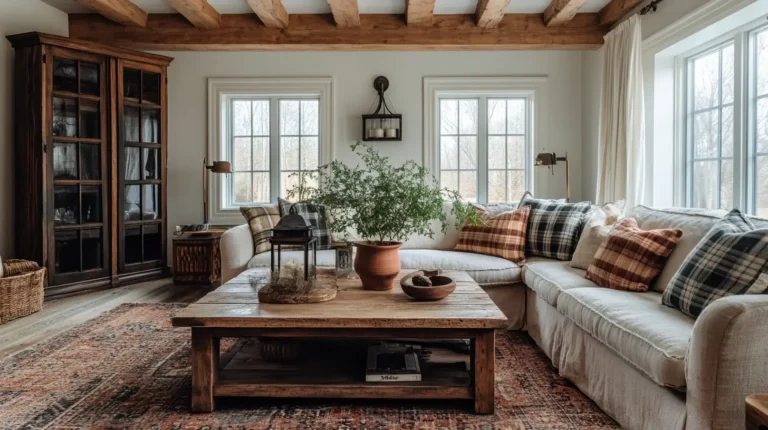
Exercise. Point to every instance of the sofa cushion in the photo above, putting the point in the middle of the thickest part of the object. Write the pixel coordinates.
(484, 269)
(596, 228)
(553, 228)
(636, 326)
(629, 258)
(548, 278)
(261, 220)
(501, 236)
(316, 216)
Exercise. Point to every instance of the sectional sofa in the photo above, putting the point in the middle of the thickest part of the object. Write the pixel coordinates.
(647, 365)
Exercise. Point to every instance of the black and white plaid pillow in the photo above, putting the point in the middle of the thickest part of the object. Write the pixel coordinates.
(315, 214)
(731, 259)
(554, 228)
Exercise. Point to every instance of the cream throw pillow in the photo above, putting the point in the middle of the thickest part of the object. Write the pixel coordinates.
(596, 229)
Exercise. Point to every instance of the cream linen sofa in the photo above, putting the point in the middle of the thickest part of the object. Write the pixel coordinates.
(647, 365)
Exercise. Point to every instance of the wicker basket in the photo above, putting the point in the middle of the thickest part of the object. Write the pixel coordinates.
(21, 293)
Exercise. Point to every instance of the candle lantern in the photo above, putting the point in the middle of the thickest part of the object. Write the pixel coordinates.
(383, 124)
(294, 231)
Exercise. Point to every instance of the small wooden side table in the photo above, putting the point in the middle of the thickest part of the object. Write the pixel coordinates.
(197, 258)
(756, 409)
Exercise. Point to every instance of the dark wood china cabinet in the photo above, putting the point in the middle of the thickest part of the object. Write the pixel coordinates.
(90, 145)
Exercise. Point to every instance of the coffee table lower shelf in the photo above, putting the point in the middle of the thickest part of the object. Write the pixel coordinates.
(333, 372)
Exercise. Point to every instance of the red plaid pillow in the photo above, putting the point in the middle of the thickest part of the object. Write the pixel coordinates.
(503, 236)
(629, 258)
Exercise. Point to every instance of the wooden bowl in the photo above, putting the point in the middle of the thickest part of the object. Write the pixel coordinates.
(442, 286)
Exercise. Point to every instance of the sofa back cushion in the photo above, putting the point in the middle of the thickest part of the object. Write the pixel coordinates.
(731, 259)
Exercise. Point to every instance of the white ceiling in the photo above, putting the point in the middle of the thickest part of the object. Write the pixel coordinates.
(320, 6)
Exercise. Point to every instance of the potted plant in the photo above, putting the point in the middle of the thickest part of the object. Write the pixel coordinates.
(382, 205)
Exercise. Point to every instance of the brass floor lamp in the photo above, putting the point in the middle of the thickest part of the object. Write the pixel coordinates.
(550, 159)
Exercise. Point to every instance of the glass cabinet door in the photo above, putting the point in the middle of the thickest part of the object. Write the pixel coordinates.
(141, 167)
(77, 166)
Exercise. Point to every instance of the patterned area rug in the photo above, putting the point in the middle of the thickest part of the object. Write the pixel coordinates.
(130, 369)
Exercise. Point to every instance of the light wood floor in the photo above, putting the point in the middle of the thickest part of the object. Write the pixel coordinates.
(59, 315)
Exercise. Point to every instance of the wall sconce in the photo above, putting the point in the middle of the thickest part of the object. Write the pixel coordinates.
(549, 160)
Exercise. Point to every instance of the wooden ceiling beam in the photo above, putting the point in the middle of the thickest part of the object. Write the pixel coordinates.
(345, 13)
(419, 12)
(615, 10)
(198, 12)
(120, 11)
(561, 11)
(271, 12)
(319, 32)
(489, 13)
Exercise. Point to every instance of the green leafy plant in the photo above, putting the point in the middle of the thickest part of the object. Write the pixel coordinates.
(380, 202)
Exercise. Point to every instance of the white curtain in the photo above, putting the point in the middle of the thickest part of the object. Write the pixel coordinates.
(621, 162)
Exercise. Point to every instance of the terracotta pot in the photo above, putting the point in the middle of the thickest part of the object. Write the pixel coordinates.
(377, 265)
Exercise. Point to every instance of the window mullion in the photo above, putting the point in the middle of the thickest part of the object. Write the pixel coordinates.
(482, 150)
(274, 148)
(740, 109)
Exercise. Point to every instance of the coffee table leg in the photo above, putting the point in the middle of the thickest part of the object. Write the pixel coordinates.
(205, 368)
(483, 371)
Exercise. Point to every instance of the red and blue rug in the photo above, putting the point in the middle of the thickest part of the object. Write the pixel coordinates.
(129, 369)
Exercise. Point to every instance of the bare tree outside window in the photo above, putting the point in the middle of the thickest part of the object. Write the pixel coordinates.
(253, 141)
(710, 128)
(760, 107)
(496, 127)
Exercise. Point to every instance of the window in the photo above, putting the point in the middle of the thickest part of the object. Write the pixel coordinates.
(481, 135)
(725, 117)
(271, 130)
(710, 128)
(252, 142)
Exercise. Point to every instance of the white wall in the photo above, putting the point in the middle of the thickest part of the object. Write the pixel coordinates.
(353, 74)
(16, 16)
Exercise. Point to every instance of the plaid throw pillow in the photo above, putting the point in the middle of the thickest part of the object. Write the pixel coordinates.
(261, 220)
(504, 236)
(315, 214)
(554, 228)
(629, 258)
(731, 259)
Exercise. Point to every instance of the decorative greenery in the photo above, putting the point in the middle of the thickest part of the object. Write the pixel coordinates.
(378, 201)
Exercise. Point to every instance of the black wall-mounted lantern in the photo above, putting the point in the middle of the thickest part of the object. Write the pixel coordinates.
(383, 124)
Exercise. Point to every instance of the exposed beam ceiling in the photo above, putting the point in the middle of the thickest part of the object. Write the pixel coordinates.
(198, 12)
(120, 11)
(345, 12)
(561, 11)
(489, 13)
(616, 9)
(419, 12)
(318, 32)
(271, 12)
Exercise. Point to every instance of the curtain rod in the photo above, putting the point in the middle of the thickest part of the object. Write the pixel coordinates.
(651, 7)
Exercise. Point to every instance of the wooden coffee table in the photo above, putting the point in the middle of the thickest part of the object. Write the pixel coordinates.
(233, 310)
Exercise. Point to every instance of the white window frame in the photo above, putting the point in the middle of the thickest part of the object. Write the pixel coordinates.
(221, 93)
(483, 88)
(743, 117)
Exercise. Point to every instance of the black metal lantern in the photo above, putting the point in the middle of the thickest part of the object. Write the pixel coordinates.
(294, 230)
(382, 125)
